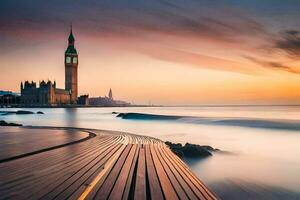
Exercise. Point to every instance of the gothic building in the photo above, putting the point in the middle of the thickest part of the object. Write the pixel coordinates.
(47, 93)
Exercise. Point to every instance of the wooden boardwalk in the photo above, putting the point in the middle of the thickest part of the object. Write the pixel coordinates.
(112, 165)
(15, 141)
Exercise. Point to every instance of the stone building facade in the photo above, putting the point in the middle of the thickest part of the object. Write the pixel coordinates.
(47, 93)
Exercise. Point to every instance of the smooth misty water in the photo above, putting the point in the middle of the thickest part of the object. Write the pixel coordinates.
(261, 162)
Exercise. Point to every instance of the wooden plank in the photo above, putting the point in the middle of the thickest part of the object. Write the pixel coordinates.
(129, 181)
(177, 187)
(58, 190)
(140, 184)
(95, 182)
(168, 190)
(175, 170)
(154, 185)
(120, 184)
(90, 174)
(188, 175)
(106, 187)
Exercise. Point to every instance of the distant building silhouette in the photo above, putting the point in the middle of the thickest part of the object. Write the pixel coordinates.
(110, 95)
(47, 93)
(107, 101)
(83, 100)
(8, 98)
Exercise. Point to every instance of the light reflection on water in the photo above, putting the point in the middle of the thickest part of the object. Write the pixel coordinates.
(268, 157)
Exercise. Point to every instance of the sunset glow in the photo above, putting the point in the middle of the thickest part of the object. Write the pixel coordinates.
(211, 52)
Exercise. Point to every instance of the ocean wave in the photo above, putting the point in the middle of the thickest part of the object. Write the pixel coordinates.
(144, 116)
(241, 122)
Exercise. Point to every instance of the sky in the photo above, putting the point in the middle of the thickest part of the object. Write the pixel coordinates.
(171, 52)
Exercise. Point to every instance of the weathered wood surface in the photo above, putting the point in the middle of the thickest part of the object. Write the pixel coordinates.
(16, 141)
(112, 165)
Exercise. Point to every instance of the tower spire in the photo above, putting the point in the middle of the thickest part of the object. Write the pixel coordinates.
(110, 95)
(71, 38)
(71, 29)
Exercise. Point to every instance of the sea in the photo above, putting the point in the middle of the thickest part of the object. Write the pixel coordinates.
(259, 155)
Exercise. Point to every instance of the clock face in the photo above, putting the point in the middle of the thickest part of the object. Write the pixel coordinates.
(75, 60)
(68, 59)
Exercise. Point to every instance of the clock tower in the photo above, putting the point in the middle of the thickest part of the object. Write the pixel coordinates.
(71, 69)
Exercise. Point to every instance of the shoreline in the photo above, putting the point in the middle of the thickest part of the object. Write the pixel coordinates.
(129, 106)
(81, 106)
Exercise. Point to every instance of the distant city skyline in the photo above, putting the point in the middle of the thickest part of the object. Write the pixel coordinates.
(163, 52)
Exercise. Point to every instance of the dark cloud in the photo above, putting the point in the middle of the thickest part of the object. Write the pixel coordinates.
(289, 43)
(203, 18)
(217, 21)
